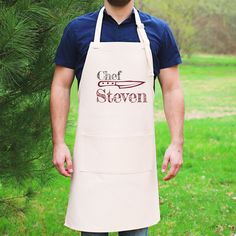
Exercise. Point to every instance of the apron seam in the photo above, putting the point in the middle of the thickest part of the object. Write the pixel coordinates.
(117, 173)
(117, 136)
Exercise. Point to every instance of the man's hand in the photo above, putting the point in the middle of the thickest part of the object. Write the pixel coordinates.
(174, 155)
(61, 154)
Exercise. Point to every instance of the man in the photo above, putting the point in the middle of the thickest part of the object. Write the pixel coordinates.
(114, 178)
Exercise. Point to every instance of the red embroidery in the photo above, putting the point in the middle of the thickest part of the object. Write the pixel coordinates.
(111, 81)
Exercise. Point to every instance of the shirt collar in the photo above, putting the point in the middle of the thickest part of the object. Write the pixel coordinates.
(131, 17)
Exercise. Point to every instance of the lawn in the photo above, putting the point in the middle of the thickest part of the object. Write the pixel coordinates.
(201, 199)
(209, 85)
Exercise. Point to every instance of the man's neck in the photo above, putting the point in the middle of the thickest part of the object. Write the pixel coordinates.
(119, 13)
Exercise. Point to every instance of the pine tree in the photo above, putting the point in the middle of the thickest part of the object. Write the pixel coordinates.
(30, 33)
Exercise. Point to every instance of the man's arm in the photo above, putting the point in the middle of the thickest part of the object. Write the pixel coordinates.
(59, 108)
(173, 100)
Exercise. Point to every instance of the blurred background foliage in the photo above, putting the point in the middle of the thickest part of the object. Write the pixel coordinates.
(199, 26)
(30, 33)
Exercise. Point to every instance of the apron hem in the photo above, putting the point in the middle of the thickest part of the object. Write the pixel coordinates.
(68, 225)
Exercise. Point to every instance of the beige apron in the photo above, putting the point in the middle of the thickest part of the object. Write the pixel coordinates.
(114, 186)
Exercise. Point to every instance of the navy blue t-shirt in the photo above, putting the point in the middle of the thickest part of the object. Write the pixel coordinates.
(78, 34)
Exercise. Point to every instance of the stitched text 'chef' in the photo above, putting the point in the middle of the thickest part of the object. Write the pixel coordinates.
(108, 81)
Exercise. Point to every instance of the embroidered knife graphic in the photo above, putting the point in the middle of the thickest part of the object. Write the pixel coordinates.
(120, 84)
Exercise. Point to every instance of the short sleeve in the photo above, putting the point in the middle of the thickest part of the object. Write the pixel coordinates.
(168, 54)
(66, 51)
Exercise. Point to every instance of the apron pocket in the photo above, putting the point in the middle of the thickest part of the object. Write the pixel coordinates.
(113, 154)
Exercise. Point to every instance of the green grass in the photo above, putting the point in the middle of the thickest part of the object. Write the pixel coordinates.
(209, 89)
(200, 200)
(209, 60)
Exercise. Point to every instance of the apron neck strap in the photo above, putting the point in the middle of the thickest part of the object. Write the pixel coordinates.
(141, 34)
(140, 27)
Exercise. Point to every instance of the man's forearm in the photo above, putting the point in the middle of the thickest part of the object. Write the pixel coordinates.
(59, 107)
(174, 111)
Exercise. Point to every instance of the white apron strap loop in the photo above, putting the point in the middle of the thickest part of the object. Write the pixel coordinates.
(141, 26)
(144, 39)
